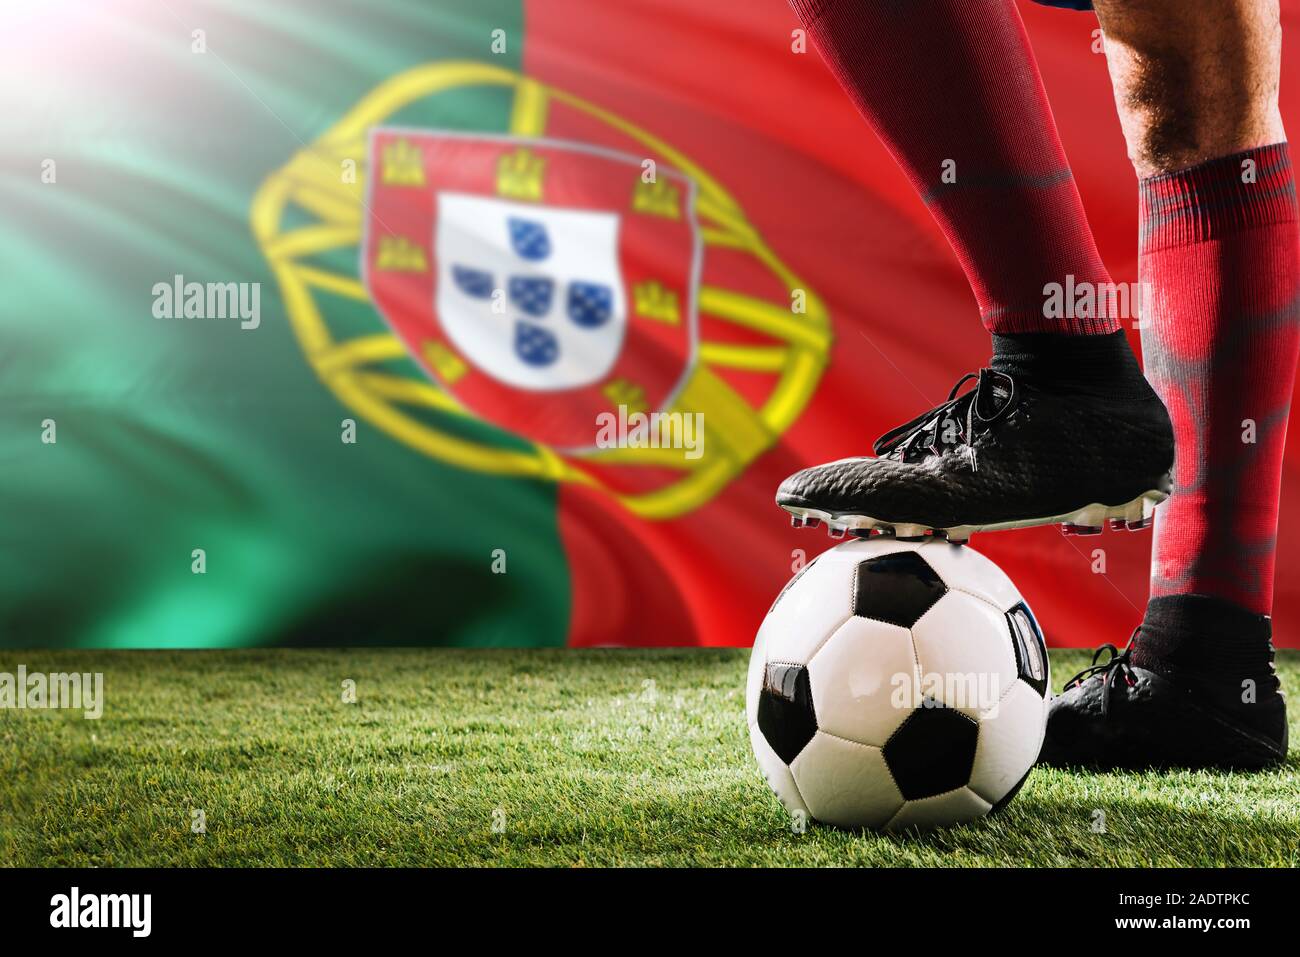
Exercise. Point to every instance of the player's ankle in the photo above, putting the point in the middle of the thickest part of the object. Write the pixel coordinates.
(1102, 364)
(1209, 642)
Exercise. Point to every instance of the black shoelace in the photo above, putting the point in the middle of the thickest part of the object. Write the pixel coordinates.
(955, 423)
(1119, 663)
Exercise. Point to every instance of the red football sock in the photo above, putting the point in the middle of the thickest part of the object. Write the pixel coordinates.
(1221, 254)
(952, 87)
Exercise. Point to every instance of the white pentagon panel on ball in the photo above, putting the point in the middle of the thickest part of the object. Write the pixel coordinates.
(965, 653)
(954, 807)
(845, 784)
(754, 678)
(862, 681)
(777, 773)
(963, 568)
(1011, 735)
(809, 611)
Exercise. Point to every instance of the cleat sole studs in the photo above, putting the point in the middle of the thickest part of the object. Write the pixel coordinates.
(1070, 529)
(1136, 515)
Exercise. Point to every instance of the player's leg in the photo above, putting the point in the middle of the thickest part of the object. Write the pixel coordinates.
(1064, 420)
(1193, 81)
(1196, 86)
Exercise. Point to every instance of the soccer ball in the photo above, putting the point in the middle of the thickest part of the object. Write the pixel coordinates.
(897, 685)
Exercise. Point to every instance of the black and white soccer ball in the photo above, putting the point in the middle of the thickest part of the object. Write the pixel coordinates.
(897, 685)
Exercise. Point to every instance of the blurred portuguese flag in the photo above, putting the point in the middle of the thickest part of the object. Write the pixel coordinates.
(690, 197)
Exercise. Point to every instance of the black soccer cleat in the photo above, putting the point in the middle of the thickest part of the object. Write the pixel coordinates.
(1013, 452)
(1119, 715)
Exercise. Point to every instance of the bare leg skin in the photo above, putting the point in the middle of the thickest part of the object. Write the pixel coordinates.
(1193, 79)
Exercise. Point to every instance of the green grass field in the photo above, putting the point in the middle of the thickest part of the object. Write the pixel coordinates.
(522, 758)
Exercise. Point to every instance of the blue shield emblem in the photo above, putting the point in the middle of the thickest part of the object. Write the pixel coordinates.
(529, 239)
(535, 345)
(590, 304)
(532, 294)
(476, 283)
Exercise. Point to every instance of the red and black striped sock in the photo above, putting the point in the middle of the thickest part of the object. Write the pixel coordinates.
(1220, 252)
(953, 90)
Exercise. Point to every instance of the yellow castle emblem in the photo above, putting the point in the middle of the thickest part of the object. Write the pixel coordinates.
(657, 197)
(403, 165)
(519, 175)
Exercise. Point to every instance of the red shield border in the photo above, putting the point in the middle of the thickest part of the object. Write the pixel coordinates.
(656, 356)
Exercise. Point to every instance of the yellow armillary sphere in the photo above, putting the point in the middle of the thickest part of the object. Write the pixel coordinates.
(423, 232)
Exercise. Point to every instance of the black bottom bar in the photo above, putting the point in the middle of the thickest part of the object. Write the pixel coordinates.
(333, 907)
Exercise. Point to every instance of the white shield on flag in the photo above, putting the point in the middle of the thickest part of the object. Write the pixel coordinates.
(532, 295)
